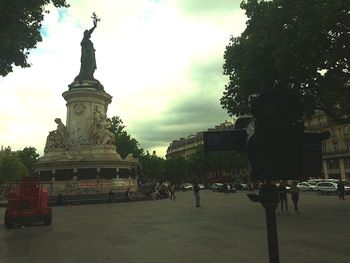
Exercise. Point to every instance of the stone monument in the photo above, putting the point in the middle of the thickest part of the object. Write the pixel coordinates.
(84, 148)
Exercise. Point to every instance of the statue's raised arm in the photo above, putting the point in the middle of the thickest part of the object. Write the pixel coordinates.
(87, 33)
(88, 60)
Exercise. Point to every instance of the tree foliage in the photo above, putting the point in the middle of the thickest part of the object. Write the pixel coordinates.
(152, 167)
(175, 170)
(179, 170)
(11, 168)
(303, 46)
(28, 156)
(201, 163)
(20, 24)
(124, 143)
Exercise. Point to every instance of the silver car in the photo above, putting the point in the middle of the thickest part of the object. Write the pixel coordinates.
(305, 186)
(328, 188)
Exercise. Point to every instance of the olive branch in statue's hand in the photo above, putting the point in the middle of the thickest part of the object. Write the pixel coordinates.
(95, 18)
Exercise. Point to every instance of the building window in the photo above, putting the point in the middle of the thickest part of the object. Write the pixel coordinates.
(332, 164)
(348, 145)
(346, 130)
(335, 147)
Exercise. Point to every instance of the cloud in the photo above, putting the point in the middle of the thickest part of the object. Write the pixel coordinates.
(191, 112)
(160, 60)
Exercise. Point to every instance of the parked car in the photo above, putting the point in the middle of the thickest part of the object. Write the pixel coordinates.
(232, 189)
(220, 187)
(201, 186)
(217, 187)
(240, 186)
(347, 187)
(326, 188)
(314, 182)
(329, 188)
(187, 186)
(305, 186)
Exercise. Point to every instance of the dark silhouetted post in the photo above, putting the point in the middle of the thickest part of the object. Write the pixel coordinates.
(269, 200)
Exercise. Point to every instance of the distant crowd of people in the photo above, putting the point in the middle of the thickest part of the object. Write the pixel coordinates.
(168, 190)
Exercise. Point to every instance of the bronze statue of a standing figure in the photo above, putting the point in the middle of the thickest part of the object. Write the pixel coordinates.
(88, 60)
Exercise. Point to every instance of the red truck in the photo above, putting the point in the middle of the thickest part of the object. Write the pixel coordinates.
(27, 203)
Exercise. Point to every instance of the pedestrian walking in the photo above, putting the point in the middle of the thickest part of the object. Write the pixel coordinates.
(226, 188)
(172, 193)
(196, 193)
(282, 191)
(294, 191)
(341, 189)
(251, 187)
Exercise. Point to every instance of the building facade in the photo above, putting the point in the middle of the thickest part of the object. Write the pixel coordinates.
(335, 150)
(185, 147)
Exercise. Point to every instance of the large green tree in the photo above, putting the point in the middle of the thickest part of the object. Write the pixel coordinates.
(20, 24)
(123, 141)
(200, 163)
(175, 170)
(11, 168)
(303, 46)
(152, 167)
(28, 156)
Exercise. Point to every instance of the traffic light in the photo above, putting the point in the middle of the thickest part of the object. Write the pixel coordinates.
(274, 139)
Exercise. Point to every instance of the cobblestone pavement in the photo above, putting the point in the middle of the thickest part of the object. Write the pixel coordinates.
(225, 229)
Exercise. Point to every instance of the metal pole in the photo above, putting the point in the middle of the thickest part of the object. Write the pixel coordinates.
(269, 200)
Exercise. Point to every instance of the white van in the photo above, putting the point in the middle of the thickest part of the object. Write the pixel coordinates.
(314, 182)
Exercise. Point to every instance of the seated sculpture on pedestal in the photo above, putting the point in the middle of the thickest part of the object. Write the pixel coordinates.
(57, 138)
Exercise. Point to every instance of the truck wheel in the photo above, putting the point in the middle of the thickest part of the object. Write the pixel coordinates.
(47, 220)
(8, 221)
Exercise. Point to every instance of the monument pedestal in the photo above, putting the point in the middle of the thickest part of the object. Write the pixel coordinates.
(84, 148)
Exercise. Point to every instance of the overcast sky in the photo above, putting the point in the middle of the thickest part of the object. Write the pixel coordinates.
(160, 60)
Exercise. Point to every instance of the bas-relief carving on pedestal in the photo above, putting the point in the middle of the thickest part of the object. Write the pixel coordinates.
(76, 134)
(99, 129)
(79, 108)
(76, 137)
(70, 145)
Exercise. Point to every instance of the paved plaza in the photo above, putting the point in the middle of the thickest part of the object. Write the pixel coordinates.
(225, 229)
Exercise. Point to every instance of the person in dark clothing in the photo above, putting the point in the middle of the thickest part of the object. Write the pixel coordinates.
(294, 191)
(172, 193)
(60, 199)
(196, 193)
(128, 195)
(282, 191)
(341, 189)
(110, 196)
